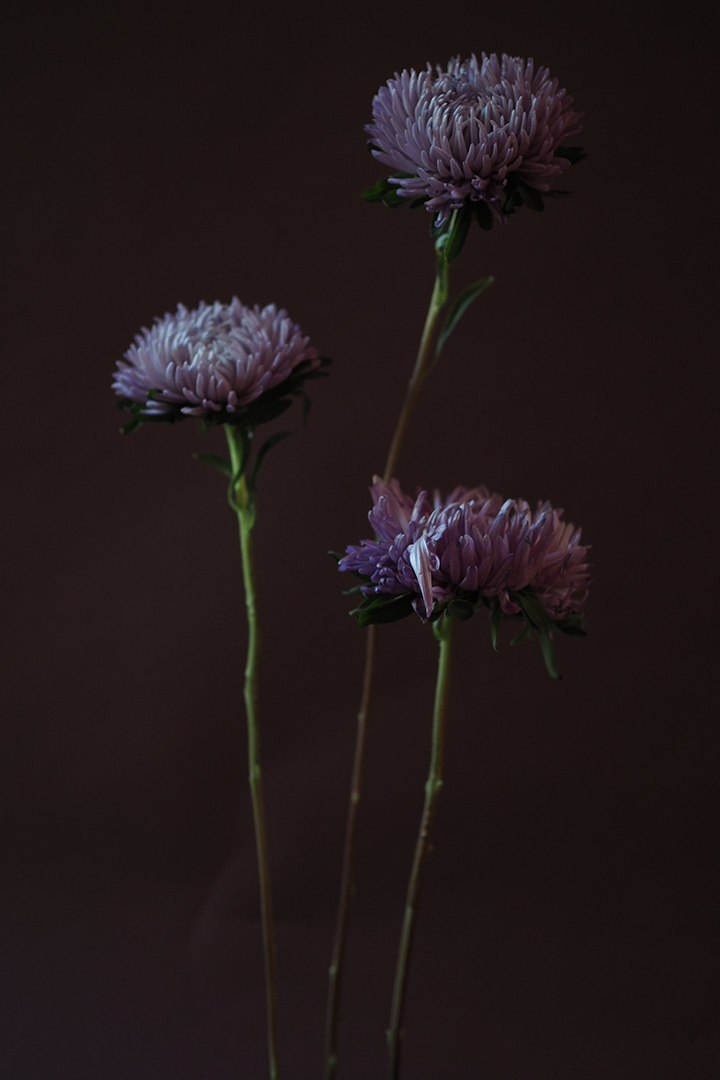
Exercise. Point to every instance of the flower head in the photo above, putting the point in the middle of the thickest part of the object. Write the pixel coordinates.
(213, 361)
(473, 547)
(479, 133)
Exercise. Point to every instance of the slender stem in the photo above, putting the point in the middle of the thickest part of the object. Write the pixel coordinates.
(346, 881)
(432, 788)
(243, 505)
(422, 364)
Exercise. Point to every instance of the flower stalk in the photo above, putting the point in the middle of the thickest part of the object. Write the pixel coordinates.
(443, 632)
(242, 500)
(423, 362)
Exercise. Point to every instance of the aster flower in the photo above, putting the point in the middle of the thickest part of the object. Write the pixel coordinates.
(215, 362)
(484, 136)
(449, 555)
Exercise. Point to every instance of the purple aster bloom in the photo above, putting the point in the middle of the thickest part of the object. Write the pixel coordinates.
(471, 543)
(463, 132)
(215, 358)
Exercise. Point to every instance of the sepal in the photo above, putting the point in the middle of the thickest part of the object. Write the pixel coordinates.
(383, 608)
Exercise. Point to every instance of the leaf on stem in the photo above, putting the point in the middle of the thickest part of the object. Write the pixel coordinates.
(263, 452)
(483, 215)
(573, 154)
(548, 654)
(495, 624)
(383, 609)
(456, 235)
(216, 461)
(459, 308)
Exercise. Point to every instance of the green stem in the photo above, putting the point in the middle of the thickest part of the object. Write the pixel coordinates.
(432, 789)
(242, 501)
(422, 364)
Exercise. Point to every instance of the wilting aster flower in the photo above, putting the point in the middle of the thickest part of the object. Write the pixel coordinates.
(472, 547)
(214, 360)
(480, 133)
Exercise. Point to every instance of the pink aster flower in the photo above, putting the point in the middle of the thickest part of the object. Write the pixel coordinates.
(474, 134)
(213, 360)
(472, 546)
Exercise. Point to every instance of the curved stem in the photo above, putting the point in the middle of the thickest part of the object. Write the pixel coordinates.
(422, 364)
(432, 789)
(346, 881)
(243, 504)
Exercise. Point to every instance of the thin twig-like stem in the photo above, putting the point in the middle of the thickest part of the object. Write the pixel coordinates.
(432, 788)
(243, 505)
(422, 364)
(346, 882)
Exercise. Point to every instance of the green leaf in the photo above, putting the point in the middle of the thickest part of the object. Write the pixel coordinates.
(261, 413)
(263, 452)
(483, 215)
(462, 610)
(216, 461)
(495, 619)
(459, 308)
(436, 231)
(573, 154)
(532, 198)
(548, 655)
(132, 425)
(383, 609)
(457, 235)
(442, 283)
(534, 611)
(526, 632)
(393, 200)
(377, 192)
(417, 203)
(573, 625)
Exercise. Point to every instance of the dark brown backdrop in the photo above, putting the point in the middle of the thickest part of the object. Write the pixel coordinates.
(157, 154)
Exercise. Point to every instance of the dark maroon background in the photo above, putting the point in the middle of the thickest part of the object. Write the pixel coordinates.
(158, 154)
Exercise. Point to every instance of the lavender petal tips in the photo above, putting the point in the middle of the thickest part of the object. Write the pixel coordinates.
(472, 548)
(211, 361)
(473, 133)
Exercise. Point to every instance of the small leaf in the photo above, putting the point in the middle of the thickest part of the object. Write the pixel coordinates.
(573, 154)
(442, 283)
(377, 191)
(132, 425)
(263, 452)
(495, 625)
(417, 203)
(459, 308)
(548, 655)
(461, 610)
(534, 611)
(393, 199)
(573, 625)
(383, 609)
(483, 215)
(532, 198)
(526, 632)
(261, 413)
(216, 462)
(459, 228)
